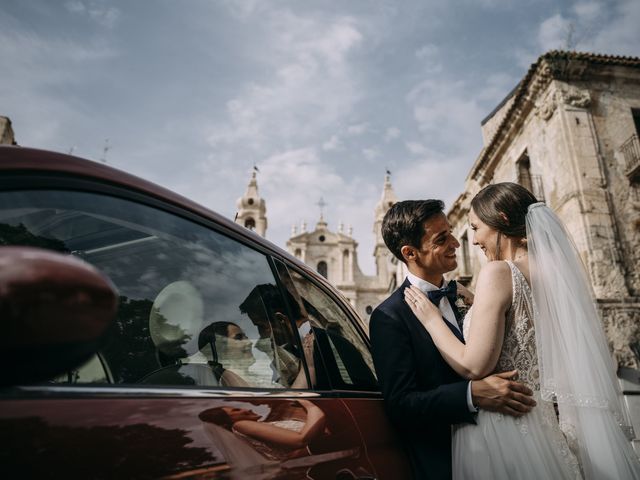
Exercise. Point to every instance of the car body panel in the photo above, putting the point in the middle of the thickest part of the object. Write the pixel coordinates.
(151, 437)
(137, 431)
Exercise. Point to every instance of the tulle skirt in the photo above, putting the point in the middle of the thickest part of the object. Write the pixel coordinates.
(504, 447)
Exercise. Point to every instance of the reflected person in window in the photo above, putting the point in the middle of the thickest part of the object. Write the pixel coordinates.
(255, 441)
(234, 351)
(275, 336)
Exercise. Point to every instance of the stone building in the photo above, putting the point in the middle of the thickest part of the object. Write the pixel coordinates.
(334, 254)
(569, 133)
(6, 132)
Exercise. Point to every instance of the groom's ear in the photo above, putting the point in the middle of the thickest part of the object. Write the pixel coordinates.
(408, 253)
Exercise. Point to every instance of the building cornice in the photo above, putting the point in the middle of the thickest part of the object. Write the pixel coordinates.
(554, 65)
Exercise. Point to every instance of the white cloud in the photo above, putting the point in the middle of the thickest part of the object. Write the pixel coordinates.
(428, 51)
(447, 114)
(96, 10)
(42, 66)
(416, 148)
(588, 11)
(243, 9)
(358, 129)
(75, 6)
(371, 153)
(553, 32)
(496, 87)
(443, 179)
(391, 134)
(334, 143)
(594, 27)
(312, 85)
(618, 35)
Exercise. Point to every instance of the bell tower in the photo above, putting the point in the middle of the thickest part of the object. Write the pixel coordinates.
(252, 211)
(383, 256)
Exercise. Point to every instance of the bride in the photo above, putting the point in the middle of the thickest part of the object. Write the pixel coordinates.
(533, 311)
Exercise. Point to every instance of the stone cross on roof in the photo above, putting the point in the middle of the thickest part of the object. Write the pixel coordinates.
(321, 203)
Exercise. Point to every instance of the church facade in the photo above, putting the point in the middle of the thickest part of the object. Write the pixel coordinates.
(334, 254)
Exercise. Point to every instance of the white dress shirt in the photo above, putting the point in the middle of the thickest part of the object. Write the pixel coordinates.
(447, 313)
(304, 329)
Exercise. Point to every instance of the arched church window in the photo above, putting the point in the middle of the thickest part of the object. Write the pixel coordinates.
(250, 223)
(322, 238)
(323, 269)
(524, 172)
(369, 309)
(298, 253)
(250, 201)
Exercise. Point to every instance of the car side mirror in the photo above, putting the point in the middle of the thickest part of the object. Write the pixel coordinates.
(54, 312)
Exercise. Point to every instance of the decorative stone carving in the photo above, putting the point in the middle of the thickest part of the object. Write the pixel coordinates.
(546, 109)
(576, 97)
(634, 213)
(622, 329)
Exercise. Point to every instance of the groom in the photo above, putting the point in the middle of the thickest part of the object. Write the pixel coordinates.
(423, 395)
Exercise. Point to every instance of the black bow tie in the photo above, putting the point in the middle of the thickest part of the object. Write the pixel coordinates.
(450, 291)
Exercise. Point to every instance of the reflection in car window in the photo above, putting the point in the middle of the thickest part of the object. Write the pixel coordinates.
(341, 359)
(194, 304)
(92, 371)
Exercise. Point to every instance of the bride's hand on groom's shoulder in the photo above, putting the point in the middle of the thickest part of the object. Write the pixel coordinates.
(421, 306)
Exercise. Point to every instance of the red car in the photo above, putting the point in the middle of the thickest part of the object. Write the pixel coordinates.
(145, 336)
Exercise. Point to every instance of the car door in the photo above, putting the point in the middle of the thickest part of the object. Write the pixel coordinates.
(202, 374)
(341, 366)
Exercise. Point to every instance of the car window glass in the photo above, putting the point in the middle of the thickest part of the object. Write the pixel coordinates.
(196, 307)
(92, 371)
(341, 359)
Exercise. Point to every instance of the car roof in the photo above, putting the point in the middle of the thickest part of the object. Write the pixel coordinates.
(21, 159)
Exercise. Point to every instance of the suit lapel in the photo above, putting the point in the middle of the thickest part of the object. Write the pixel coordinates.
(455, 331)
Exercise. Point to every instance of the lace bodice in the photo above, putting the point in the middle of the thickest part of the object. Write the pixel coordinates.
(519, 345)
(519, 352)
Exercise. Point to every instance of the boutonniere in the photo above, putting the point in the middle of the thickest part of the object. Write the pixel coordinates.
(461, 305)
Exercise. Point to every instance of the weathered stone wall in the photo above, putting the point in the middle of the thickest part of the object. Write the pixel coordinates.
(491, 124)
(571, 123)
(6, 132)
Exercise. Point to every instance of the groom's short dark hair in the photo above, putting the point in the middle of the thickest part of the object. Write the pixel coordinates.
(403, 224)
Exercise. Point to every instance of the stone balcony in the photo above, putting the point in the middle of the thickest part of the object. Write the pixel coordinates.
(631, 151)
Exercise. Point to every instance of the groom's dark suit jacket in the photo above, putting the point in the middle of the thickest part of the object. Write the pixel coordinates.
(423, 395)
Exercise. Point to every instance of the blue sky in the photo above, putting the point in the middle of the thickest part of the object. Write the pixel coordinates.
(323, 96)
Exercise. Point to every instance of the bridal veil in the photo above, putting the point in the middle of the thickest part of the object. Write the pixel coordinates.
(576, 368)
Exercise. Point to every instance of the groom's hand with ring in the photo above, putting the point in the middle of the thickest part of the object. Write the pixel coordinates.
(500, 393)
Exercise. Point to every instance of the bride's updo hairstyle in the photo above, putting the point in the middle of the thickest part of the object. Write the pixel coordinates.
(503, 207)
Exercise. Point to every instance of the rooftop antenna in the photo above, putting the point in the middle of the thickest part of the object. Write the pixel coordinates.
(105, 150)
(70, 152)
(570, 43)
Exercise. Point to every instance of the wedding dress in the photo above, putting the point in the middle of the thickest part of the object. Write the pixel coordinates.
(503, 447)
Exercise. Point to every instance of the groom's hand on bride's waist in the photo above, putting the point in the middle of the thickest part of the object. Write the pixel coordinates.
(500, 393)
